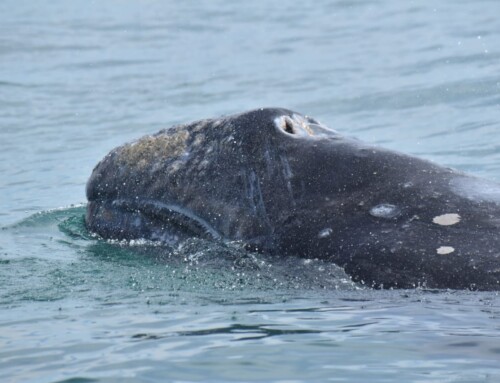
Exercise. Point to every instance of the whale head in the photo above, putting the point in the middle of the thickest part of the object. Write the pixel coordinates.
(286, 184)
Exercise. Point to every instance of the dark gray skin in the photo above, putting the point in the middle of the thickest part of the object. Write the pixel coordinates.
(286, 185)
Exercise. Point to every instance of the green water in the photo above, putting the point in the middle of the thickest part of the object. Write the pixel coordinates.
(75, 307)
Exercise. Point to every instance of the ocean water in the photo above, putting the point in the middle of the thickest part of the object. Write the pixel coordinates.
(78, 78)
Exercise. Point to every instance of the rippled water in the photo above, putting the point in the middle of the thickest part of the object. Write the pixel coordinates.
(78, 78)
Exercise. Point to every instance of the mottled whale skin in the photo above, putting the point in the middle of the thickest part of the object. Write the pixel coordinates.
(285, 184)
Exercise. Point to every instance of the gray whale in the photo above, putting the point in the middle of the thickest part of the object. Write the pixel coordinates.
(284, 184)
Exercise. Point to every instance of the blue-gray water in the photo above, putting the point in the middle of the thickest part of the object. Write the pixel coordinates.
(78, 78)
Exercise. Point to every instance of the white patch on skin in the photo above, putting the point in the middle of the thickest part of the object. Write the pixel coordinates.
(443, 250)
(447, 219)
(325, 232)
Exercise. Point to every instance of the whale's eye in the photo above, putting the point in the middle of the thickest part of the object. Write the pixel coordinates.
(288, 126)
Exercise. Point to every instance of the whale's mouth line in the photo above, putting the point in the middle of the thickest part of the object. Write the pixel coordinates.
(171, 216)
